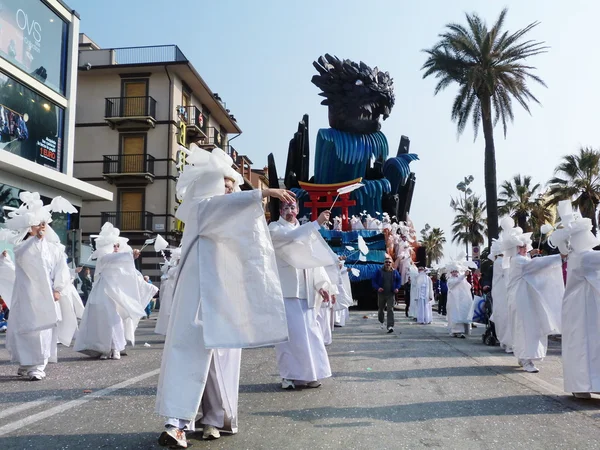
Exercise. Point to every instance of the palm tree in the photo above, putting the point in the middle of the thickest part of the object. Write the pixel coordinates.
(468, 226)
(577, 178)
(520, 200)
(488, 64)
(433, 240)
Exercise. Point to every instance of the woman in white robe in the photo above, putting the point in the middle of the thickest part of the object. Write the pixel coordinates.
(118, 296)
(459, 306)
(7, 277)
(167, 288)
(227, 297)
(424, 299)
(344, 299)
(500, 306)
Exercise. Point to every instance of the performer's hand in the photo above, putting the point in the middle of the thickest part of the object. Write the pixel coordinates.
(535, 252)
(323, 217)
(56, 295)
(380, 290)
(282, 194)
(324, 294)
(333, 299)
(136, 253)
(78, 269)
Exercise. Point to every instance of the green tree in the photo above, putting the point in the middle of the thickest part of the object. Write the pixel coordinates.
(521, 199)
(468, 226)
(488, 65)
(433, 240)
(577, 178)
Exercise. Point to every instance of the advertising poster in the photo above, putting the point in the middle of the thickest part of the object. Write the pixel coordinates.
(31, 126)
(34, 38)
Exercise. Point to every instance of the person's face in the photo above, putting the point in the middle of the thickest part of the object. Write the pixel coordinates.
(387, 264)
(228, 186)
(87, 272)
(38, 230)
(289, 211)
(454, 273)
(522, 250)
(116, 248)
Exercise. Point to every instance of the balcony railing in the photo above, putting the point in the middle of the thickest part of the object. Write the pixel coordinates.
(128, 165)
(214, 139)
(129, 220)
(149, 55)
(123, 107)
(194, 118)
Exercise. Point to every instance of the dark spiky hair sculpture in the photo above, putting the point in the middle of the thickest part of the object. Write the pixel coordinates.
(355, 94)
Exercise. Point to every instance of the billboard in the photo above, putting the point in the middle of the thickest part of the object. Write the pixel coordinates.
(31, 126)
(34, 38)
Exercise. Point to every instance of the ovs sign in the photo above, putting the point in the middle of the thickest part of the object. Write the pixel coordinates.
(32, 29)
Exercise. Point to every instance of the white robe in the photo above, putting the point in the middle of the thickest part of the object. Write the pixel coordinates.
(500, 305)
(114, 307)
(535, 289)
(302, 255)
(581, 323)
(228, 275)
(424, 300)
(412, 309)
(459, 306)
(167, 288)
(7, 279)
(41, 268)
(71, 308)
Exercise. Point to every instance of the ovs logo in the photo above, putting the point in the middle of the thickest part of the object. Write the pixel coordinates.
(30, 26)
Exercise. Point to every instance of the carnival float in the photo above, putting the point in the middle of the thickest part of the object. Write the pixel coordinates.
(368, 192)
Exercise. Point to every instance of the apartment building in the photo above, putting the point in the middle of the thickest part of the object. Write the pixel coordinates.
(38, 75)
(135, 107)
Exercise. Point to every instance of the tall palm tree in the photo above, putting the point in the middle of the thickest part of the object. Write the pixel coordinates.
(433, 240)
(468, 226)
(520, 199)
(488, 64)
(577, 178)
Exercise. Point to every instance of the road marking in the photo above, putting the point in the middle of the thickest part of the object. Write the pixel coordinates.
(25, 406)
(11, 427)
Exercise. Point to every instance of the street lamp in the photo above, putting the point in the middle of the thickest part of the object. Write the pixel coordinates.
(463, 186)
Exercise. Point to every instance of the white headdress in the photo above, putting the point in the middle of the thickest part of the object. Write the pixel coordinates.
(575, 232)
(203, 177)
(110, 236)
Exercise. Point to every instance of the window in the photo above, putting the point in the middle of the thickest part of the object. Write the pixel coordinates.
(135, 100)
(133, 153)
(131, 210)
(34, 38)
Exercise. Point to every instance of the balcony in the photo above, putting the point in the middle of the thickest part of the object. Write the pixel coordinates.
(128, 112)
(212, 140)
(130, 221)
(150, 55)
(197, 123)
(128, 169)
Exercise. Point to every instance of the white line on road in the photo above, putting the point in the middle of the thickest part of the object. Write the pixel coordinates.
(25, 406)
(11, 427)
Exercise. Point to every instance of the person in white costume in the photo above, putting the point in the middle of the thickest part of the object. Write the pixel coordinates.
(581, 303)
(344, 299)
(535, 290)
(227, 297)
(302, 255)
(7, 277)
(167, 287)
(413, 273)
(41, 277)
(460, 302)
(424, 298)
(117, 300)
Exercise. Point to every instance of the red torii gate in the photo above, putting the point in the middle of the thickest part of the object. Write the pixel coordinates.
(316, 192)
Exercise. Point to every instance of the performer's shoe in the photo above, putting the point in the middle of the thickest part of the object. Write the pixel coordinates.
(521, 362)
(287, 384)
(382, 326)
(36, 375)
(508, 349)
(313, 384)
(104, 356)
(530, 367)
(210, 433)
(582, 395)
(173, 437)
(115, 354)
(390, 330)
(22, 372)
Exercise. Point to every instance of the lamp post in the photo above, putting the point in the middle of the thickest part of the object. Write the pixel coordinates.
(463, 186)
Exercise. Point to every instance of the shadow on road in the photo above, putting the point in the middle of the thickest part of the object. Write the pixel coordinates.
(125, 441)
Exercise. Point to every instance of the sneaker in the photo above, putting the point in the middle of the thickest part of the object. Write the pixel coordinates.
(173, 438)
(390, 330)
(462, 336)
(382, 326)
(582, 395)
(287, 384)
(124, 353)
(530, 367)
(104, 356)
(521, 362)
(313, 384)
(508, 349)
(210, 433)
(36, 375)
(21, 372)
(115, 354)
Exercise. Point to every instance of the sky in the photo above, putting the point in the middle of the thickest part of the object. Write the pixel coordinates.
(258, 56)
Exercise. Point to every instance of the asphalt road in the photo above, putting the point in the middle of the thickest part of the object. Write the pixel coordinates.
(416, 388)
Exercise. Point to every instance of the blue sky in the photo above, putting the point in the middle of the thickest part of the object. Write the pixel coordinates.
(258, 56)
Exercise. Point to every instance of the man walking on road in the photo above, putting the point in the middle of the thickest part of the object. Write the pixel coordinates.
(387, 283)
